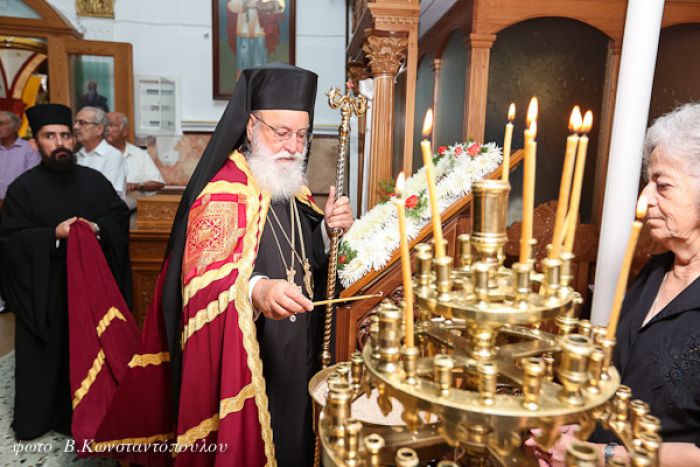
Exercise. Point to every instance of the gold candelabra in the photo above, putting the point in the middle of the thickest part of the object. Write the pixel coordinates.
(483, 375)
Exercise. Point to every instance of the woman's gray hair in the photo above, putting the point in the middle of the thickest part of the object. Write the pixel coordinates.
(677, 136)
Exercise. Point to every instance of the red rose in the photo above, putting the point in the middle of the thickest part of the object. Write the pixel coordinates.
(411, 202)
(458, 150)
(442, 149)
(342, 259)
(474, 149)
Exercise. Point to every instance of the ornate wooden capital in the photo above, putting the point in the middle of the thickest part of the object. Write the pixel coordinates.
(481, 41)
(385, 53)
(437, 64)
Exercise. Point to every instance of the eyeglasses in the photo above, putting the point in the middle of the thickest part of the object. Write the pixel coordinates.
(284, 134)
(84, 122)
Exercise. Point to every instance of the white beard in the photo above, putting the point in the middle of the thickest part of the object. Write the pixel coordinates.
(282, 179)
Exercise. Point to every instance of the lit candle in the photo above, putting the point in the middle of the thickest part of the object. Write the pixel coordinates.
(529, 181)
(405, 261)
(578, 181)
(506, 143)
(625, 269)
(565, 185)
(427, 151)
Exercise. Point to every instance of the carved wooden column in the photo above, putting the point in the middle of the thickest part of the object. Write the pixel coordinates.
(612, 69)
(437, 66)
(477, 84)
(385, 54)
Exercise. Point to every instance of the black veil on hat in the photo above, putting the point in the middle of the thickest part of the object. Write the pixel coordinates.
(276, 86)
(48, 114)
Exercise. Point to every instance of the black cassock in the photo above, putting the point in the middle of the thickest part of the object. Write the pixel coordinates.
(34, 285)
(290, 349)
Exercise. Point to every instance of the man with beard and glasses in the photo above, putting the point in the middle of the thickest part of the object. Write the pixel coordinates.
(232, 336)
(40, 207)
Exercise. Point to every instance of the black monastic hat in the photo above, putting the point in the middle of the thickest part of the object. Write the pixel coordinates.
(48, 114)
(276, 86)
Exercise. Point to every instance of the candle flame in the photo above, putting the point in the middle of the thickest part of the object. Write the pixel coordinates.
(532, 110)
(399, 184)
(587, 122)
(511, 112)
(533, 129)
(428, 123)
(642, 205)
(575, 121)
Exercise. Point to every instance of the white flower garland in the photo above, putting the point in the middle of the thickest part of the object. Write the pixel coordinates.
(374, 237)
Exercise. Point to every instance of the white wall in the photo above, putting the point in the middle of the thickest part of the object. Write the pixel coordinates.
(173, 38)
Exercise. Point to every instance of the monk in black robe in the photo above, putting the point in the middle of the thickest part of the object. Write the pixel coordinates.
(40, 207)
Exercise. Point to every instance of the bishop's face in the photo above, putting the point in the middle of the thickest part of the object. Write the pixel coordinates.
(278, 141)
(56, 144)
(281, 130)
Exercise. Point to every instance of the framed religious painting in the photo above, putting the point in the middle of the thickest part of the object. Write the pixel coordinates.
(247, 34)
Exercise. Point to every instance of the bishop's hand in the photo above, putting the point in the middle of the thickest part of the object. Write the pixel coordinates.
(338, 214)
(279, 299)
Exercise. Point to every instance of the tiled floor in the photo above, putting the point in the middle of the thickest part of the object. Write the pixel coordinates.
(46, 451)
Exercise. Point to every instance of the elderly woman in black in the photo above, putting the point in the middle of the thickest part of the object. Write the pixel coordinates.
(658, 336)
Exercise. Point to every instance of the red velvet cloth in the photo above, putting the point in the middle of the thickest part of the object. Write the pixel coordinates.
(103, 334)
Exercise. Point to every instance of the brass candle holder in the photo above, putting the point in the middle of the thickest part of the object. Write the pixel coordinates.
(482, 371)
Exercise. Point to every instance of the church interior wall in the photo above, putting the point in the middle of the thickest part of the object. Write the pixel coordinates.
(177, 42)
(424, 100)
(449, 117)
(398, 129)
(677, 75)
(569, 70)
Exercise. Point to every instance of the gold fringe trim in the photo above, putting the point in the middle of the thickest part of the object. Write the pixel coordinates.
(247, 325)
(112, 314)
(104, 445)
(85, 385)
(207, 314)
(205, 280)
(226, 407)
(143, 360)
(235, 404)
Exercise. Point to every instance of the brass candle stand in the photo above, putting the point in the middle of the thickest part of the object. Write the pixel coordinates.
(483, 373)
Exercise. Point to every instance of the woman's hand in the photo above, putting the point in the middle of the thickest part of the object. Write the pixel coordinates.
(556, 456)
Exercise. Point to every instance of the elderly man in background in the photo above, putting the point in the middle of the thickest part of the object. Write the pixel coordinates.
(16, 157)
(142, 175)
(90, 128)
